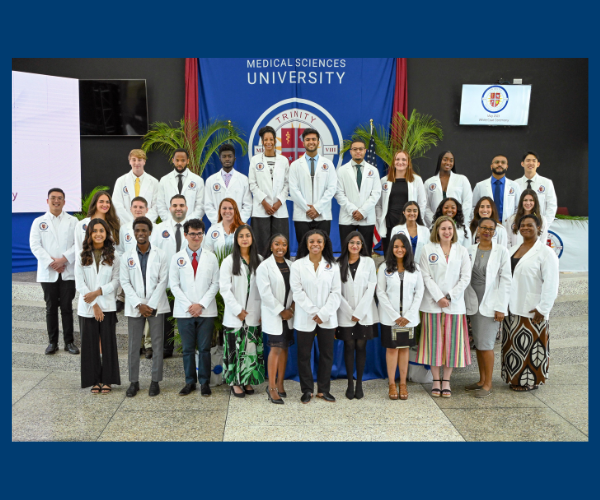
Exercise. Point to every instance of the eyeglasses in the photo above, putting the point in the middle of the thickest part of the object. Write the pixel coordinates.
(487, 229)
(357, 149)
(196, 235)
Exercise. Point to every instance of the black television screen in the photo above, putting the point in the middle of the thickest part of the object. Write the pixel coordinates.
(113, 107)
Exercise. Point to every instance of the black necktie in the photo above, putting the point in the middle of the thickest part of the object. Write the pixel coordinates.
(180, 183)
(312, 167)
(358, 176)
(529, 184)
(178, 237)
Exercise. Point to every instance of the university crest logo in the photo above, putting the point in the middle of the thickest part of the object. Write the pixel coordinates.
(214, 235)
(127, 237)
(165, 234)
(84, 227)
(542, 189)
(494, 99)
(511, 191)
(555, 243)
(328, 267)
(125, 190)
(130, 263)
(260, 167)
(192, 185)
(181, 262)
(43, 226)
(433, 258)
(217, 188)
(432, 187)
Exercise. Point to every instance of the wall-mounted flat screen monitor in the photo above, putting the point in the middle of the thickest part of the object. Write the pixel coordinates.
(505, 105)
(113, 107)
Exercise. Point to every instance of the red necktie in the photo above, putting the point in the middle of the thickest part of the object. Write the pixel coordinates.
(194, 263)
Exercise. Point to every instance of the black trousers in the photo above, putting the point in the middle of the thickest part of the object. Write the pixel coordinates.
(59, 294)
(325, 337)
(304, 227)
(169, 328)
(365, 231)
(97, 369)
(265, 227)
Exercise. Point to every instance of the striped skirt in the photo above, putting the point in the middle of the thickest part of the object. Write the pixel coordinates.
(444, 340)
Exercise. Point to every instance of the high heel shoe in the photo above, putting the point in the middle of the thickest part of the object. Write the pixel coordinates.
(446, 393)
(403, 392)
(238, 394)
(393, 392)
(436, 393)
(350, 390)
(274, 401)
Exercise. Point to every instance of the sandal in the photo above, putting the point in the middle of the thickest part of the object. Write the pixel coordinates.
(446, 393)
(403, 392)
(436, 393)
(95, 389)
(106, 389)
(393, 393)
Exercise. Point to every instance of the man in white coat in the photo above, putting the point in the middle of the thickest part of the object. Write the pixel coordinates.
(313, 184)
(227, 183)
(184, 182)
(358, 191)
(52, 242)
(168, 236)
(543, 187)
(194, 281)
(135, 183)
(144, 274)
(503, 191)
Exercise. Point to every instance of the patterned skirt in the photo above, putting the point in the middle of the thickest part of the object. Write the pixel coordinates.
(525, 351)
(243, 356)
(444, 340)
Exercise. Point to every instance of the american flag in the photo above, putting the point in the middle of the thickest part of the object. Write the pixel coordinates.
(372, 159)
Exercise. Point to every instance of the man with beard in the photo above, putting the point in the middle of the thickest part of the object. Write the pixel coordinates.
(184, 182)
(506, 193)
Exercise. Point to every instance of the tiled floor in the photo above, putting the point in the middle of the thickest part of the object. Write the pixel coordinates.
(50, 406)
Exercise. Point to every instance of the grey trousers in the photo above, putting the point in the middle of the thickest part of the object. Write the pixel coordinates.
(136, 332)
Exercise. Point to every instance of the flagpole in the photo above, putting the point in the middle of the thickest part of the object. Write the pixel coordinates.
(371, 126)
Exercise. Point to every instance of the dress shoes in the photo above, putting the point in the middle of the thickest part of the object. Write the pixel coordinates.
(358, 393)
(205, 389)
(142, 351)
(249, 391)
(306, 397)
(72, 348)
(120, 306)
(326, 397)
(154, 389)
(133, 389)
(148, 353)
(238, 395)
(187, 389)
(167, 354)
(52, 348)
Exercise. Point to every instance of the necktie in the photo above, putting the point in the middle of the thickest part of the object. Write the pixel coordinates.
(180, 183)
(194, 263)
(137, 186)
(528, 183)
(178, 237)
(497, 197)
(358, 176)
(312, 167)
(227, 179)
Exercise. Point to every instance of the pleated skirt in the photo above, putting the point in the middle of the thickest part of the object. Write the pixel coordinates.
(444, 340)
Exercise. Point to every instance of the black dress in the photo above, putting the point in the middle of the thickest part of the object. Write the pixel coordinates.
(358, 331)
(286, 338)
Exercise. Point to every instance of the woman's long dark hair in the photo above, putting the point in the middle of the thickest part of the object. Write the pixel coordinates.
(391, 263)
(327, 251)
(402, 218)
(236, 269)
(521, 211)
(108, 250)
(343, 258)
(476, 215)
(439, 162)
(459, 218)
(112, 219)
(268, 252)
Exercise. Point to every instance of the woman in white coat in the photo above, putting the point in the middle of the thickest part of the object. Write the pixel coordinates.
(101, 207)
(400, 185)
(96, 280)
(411, 225)
(486, 207)
(219, 238)
(268, 178)
(487, 300)
(243, 348)
(446, 183)
(446, 273)
(316, 287)
(276, 311)
(525, 332)
(453, 209)
(399, 285)
(357, 314)
(528, 204)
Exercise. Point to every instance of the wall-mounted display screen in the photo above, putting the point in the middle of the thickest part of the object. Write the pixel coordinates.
(495, 105)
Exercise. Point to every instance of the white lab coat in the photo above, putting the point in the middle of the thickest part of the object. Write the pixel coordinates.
(535, 281)
(500, 236)
(238, 190)
(351, 199)
(132, 281)
(79, 235)
(127, 239)
(271, 288)
(423, 235)
(47, 242)
(301, 188)
(193, 190)
(498, 279)
(388, 293)
(188, 289)
(459, 187)
(264, 187)
(315, 293)
(87, 280)
(512, 193)
(358, 296)
(441, 277)
(544, 188)
(124, 192)
(163, 237)
(416, 192)
(234, 290)
(517, 239)
(214, 241)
